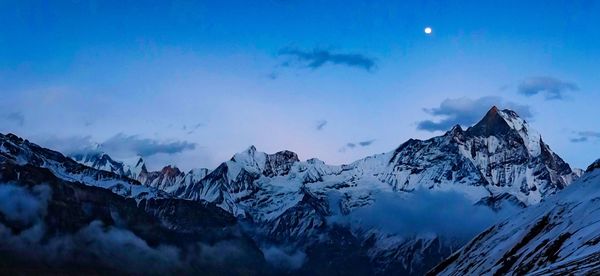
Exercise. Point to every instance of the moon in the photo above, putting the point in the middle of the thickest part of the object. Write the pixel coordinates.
(427, 30)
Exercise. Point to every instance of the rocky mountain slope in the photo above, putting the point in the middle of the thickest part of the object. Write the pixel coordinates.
(23, 152)
(168, 179)
(557, 237)
(99, 160)
(498, 161)
(358, 218)
(53, 221)
(499, 156)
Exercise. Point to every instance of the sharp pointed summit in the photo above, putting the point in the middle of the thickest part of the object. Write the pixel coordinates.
(455, 131)
(499, 162)
(493, 123)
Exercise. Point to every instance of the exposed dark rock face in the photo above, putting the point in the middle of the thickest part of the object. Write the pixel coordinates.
(500, 152)
(501, 201)
(492, 124)
(498, 162)
(306, 206)
(593, 166)
(279, 163)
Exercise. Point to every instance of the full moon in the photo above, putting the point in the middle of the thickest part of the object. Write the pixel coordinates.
(427, 30)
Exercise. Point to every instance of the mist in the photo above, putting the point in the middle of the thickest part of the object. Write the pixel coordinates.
(423, 212)
(25, 236)
(284, 258)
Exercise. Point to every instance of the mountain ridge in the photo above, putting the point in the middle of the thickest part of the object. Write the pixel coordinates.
(558, 236)
(499, 161)
(496, 163)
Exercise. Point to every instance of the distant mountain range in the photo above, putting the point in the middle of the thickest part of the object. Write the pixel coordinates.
(306, 217)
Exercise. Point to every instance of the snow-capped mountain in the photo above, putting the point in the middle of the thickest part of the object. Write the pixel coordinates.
(99, 160)
(498, 161)
(23, 152)
(169, 179)
(315, 208)
(60, 217)
(559, 236)
(499, 155)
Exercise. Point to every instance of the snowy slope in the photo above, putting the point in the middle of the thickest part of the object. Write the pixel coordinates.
(559, 236)
(99, 160)
(499, 161)
(234, 180)
(169, 179)
(500, 154)
(49, 226)
(23, 152)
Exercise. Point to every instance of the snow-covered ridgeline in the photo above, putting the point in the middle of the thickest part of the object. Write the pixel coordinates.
(560, 235)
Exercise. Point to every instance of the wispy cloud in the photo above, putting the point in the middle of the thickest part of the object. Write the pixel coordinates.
(120, 145)
(584, 136)
(352, 145)
(466, 112)
(70, 145)
(16, 117)
(134, 144)
(366, 143)
(552, 88)
(191, 129)
(321, 124)
(422, 211)
(318, 57)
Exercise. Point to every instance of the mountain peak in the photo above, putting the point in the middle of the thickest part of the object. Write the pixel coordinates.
(13, 137)
(593, 166)
(492, 124)
(170, 170)
(140, 162)
(248, 153)
(497, 121)
(504, 122)
(455, 130)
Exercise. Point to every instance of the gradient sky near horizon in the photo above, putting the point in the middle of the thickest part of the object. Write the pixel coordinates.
(193, 82)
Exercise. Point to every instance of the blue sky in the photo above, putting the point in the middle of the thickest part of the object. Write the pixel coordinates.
(192, 82)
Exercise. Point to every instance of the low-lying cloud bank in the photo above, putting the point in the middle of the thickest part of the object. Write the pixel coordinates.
(27, 239)
(25, 234)
(284, 258)
(423, 212)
